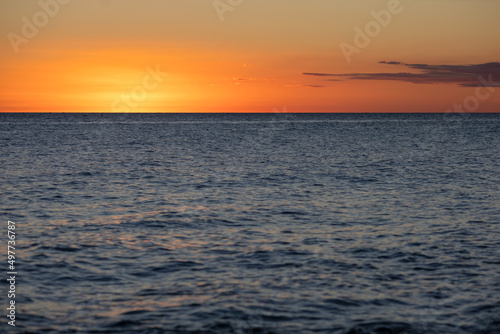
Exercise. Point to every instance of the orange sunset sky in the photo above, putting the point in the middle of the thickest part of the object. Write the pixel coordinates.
(249, 55)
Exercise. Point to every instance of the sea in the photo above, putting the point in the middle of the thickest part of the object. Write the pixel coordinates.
(251, 223)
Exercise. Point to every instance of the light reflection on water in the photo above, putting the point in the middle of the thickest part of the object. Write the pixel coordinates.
(325, 223)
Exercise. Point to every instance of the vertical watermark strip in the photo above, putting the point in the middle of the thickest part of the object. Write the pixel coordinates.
(11, 272)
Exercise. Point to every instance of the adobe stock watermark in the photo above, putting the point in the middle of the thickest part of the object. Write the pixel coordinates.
(372, 29)
(140, 92)
(223, 6)
(30, 28)
(483, 92)
(11, 272)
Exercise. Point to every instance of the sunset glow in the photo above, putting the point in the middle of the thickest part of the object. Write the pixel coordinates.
(91, 56)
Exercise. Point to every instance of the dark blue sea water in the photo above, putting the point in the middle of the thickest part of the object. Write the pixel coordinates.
(261, 223)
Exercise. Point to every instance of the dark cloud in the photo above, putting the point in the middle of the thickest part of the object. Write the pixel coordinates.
(320, 74)
(390, 62)
(464, 75)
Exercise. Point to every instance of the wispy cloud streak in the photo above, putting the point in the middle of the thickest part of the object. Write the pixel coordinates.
(462, 75)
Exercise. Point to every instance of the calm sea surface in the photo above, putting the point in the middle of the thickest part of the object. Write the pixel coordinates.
(274, 223)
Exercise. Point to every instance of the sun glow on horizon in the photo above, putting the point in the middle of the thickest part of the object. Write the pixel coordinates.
(87, 57)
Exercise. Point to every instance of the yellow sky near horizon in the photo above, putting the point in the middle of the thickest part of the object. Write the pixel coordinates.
(97, 55)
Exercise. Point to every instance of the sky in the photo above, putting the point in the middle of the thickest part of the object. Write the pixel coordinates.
(249, 56)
